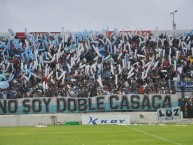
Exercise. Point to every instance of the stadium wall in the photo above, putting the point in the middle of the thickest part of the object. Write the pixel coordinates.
(53, 119)
(47, 111)
(60, 119)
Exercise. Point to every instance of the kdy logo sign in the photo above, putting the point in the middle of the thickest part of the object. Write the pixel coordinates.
(95, 121)
(105, 119)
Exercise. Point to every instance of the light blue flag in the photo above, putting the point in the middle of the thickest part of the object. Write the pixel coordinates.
(11, 32)
(4, 85)
(190, 33)
(11, 77)
(29, 76)
(7, 52)
(111, 50)
(8, 44)
(41, 60)
(31, 55)
(2, 45)
(16, 43)
(3, 77)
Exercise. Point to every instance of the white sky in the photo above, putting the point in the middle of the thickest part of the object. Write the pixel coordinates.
(77, 15)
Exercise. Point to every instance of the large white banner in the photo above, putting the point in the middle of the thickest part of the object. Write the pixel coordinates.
(107, 103)
(105, 119)
(169, 114)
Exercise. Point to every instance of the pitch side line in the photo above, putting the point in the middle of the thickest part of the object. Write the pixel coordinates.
(158, 137)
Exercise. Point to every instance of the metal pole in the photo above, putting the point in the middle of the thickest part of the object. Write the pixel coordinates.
(173, 22)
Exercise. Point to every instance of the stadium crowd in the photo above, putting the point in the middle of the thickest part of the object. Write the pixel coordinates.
(91, 63)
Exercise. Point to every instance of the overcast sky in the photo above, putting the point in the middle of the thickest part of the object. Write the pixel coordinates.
(77, 15)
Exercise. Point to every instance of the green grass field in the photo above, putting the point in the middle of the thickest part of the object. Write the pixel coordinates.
(98, 135)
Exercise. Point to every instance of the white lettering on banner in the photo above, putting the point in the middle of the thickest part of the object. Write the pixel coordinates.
(172, 113)
(185, 86)
(105, 119)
